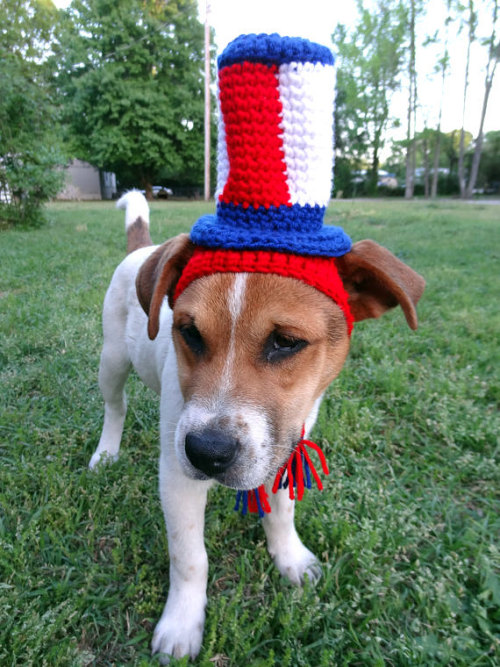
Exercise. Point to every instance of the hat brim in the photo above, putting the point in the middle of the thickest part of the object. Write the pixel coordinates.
(329, 241)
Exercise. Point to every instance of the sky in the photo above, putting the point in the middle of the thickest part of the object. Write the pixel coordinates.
(316, 20)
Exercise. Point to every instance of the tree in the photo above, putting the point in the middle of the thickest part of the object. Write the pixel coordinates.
(350, 138)
(370, 64)
(489, 170)
(131, 78)
(415, 10)
(493, 58)
(442, 68)
(30, 154)
(471, 36)
(451, 145)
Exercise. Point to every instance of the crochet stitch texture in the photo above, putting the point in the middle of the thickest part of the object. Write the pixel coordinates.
(275, 149)
(319, 272)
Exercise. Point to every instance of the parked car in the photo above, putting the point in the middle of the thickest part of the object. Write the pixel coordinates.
(161, 192)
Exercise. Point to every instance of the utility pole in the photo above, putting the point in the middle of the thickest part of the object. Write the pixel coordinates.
(207, 101)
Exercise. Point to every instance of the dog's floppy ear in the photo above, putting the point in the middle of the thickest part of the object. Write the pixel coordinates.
(376, 280)
(158, 277)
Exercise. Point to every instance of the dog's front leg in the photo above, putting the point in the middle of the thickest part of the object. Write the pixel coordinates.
(290, 556)
(180, 629)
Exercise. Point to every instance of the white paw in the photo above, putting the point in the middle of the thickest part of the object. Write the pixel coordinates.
(297, 563)
(178, 635)
(101, 457)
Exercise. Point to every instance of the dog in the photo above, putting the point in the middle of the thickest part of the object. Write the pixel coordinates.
(240, 362)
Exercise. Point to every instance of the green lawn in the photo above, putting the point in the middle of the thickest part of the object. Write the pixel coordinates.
(407, 527)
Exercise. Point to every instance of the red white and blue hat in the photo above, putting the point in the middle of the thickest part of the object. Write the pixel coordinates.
(275, 161)
(275, 149)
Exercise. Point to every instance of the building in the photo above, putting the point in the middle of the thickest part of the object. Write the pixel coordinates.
(85, 182)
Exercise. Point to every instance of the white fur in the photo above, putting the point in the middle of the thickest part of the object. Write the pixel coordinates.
(254, 442)
(135, 206)
(183, 496)
(236, 300)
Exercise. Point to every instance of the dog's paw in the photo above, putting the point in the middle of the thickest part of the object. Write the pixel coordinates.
(297, 564)
(101, 458)
(177, 636)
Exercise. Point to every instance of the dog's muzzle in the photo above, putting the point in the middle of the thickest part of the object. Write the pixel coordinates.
(211, 451)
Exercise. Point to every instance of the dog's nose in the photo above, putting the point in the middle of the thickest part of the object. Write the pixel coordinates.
(211, 451)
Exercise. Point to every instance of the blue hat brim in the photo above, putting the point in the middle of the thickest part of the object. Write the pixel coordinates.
(328, 241)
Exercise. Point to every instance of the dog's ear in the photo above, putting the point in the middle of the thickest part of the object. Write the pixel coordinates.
(158, 277)
(376, 280)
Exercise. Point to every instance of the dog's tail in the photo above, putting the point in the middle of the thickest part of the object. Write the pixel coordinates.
(136, 220)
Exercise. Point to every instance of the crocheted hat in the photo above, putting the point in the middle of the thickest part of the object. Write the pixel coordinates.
(275, 160)
(275, 149)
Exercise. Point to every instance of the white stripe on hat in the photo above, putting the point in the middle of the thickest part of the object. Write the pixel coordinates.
(222, 157)
(307, 92)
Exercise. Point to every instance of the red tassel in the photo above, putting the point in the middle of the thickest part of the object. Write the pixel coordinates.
(298, 463)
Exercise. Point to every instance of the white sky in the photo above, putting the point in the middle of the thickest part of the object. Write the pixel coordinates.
(316, 20)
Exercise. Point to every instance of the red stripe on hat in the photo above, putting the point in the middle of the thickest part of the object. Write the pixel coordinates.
(252, 113)
(318, 272)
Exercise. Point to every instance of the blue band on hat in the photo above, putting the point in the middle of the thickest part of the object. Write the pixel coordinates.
(274, 50)
(282, 228)
(287, 218)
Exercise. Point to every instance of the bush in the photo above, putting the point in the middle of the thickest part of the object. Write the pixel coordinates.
(29, 159)
(29, 180)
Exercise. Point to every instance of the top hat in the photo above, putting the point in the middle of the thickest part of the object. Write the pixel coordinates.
(275, 149)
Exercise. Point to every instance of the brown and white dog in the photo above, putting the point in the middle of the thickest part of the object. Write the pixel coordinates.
(240, 363)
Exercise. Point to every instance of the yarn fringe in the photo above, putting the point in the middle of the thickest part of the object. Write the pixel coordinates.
(296, 475)
(254, 500)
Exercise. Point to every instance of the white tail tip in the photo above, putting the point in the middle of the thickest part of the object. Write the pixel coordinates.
(135, 206)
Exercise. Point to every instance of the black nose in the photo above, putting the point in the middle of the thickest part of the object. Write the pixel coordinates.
(211, 451)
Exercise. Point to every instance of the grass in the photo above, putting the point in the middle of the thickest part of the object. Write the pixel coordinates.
(407, 527)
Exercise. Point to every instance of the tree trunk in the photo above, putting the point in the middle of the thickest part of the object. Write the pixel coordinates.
(435, 166)
(437, 144)
(479, 142)
(410, 133)
(373, 180)
(425, 150)
(147, 186)
(461, 151)
(494, 56)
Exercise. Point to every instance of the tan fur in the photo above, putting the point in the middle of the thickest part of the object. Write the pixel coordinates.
(285, 392)
(138, 236)
(159, 275)
(376, 280)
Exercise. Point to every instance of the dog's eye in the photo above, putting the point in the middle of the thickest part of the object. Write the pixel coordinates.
(192, 338)
(279, 347)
